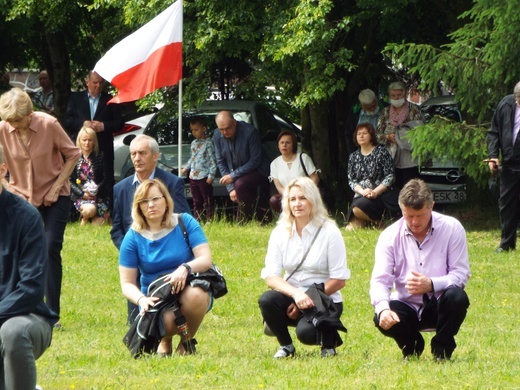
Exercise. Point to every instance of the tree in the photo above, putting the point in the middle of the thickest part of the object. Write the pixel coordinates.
(61, 36)
(479, 64)
(316, 54)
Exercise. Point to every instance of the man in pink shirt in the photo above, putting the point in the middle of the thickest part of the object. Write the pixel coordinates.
(424, 258)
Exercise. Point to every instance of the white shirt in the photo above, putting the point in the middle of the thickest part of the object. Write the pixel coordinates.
(281, 171)
(516, 125)
(326, 260)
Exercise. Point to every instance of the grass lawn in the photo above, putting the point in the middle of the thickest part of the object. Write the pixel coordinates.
(233, 353)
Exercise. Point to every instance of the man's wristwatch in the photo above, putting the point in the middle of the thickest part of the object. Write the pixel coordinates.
(187, 266)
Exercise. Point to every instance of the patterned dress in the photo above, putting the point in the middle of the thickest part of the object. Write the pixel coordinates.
(369, 172)
(90, 169)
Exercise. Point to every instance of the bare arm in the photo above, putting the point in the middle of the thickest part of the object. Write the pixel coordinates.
(333, 285)
(52, 196)
(315, 178)
(200, 263)
(128, 278)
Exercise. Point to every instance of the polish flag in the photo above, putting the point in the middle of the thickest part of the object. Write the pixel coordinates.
(146, 60)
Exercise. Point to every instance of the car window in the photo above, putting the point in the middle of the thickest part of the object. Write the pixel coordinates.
(266, 122)
(165, 130)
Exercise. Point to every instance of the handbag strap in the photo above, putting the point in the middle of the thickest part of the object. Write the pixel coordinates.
(184, 232)
(303, 165)
(305, 254)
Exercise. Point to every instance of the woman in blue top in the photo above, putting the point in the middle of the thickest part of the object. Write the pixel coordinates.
(155, 246)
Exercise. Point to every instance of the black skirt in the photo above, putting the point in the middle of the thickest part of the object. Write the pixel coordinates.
(375, 208)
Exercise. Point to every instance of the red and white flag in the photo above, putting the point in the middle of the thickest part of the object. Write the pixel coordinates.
(146, 60)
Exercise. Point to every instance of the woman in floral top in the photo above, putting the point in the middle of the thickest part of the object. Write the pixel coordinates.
(88, 180)
(370, 175)
(399, 112)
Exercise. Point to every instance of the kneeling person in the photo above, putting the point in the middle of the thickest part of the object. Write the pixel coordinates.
(25, 321)
(155, 246)
(424, 258)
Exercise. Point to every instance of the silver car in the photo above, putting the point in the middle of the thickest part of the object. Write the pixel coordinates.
(164, 128)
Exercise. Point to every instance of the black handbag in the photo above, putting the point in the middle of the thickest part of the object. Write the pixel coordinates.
(211, 280)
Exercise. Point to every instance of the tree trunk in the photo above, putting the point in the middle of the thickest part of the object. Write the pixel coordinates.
(59, 70)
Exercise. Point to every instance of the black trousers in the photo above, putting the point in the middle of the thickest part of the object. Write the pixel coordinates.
(508, 206)
(273, 306)
(446, 317)
(55, 219)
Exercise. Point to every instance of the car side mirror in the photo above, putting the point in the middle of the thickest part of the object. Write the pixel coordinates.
(128, 139)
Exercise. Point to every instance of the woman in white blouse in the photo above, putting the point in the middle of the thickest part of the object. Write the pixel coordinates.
(288, 166)
(304, 226)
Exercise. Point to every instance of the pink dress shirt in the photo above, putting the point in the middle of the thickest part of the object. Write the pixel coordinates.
(442, 256)
(34, 169)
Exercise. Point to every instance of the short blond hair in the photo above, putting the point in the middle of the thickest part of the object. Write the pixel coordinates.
(88, 131)
(15, 105)
(139, 223)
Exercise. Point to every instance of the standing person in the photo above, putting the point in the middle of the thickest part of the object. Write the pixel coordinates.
(155, 245)
(144, 151)
(89, 108)
(202, 166)
(304, 231)
(40, 157)
(367, 111)
(88, 180)
(371, 176)
(391, 119)
(423, 259)
(288, 166)
(502, 138)
(243, 165)
(25, 321)
(44, 98)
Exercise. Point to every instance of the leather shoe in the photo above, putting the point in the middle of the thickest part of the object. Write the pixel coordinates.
(327, 352)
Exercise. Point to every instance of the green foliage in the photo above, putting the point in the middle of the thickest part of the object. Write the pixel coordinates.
(303, 38)
(480, 61)
(447, 140)
(233, 353)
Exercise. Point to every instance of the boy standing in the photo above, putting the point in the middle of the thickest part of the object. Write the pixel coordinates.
(202, 166)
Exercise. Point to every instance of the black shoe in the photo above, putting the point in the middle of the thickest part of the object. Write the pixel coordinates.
(441, 356)
(418, 348)
(327, 352)
(502, 250)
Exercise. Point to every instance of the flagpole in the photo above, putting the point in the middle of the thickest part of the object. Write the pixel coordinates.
(179, 135)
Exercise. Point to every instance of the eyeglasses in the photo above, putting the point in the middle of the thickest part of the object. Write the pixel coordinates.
(154, 200)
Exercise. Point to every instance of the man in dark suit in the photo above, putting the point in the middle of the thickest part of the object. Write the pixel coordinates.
(89, 108)
(144, 151)
(503, 138)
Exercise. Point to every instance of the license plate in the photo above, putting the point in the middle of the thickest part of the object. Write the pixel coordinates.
(187, 191)
(449, 196)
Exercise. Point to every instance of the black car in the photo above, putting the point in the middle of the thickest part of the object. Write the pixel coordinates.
(447, 180)
(165, 129)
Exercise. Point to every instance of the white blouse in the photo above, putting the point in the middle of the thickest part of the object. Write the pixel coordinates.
(327, 258)
(281, 171)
